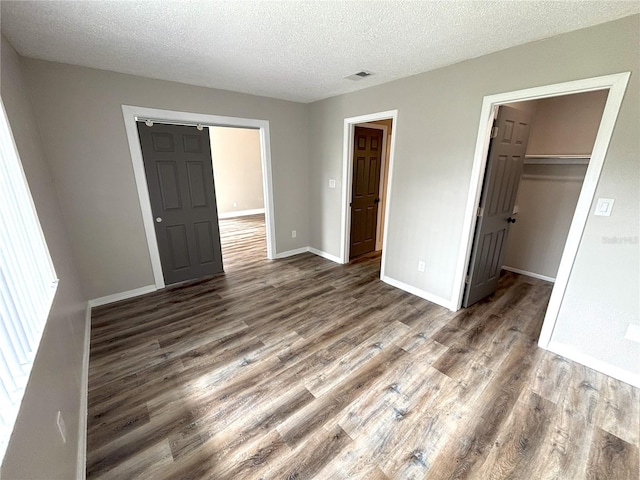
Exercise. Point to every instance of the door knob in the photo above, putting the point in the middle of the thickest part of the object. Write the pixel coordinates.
(377, 200)
(511, 220)
(158, 219)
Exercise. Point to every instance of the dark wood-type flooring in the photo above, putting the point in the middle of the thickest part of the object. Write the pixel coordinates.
(300, 368)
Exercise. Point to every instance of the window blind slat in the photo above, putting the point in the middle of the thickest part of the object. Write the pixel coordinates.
(27, 282)
(11, 259)
(8, 376)
(11, 329)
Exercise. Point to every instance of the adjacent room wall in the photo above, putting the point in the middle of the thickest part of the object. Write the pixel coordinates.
(80, 118)
(36, 449)
(548, 194)
(237, 169)
(436, 131)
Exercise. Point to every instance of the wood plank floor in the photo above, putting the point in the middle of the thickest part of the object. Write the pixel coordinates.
(304, 369)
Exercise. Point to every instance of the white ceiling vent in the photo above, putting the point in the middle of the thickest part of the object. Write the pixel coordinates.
(359, 75)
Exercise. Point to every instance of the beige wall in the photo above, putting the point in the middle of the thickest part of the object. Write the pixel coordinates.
(547, 199)
(567, 125)
(438, 118)
(548, 194)
(80, 118)
(36, 449)
(237, 169)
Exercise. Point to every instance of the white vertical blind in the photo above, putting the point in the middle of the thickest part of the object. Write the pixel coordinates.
(27, 282)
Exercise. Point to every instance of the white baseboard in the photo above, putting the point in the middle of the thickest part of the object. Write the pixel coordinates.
(116, 297)
(291, 253)
(443, 302)
(315, 251)
(326, 255)
(241, 213)
(529, 274)
(81, 465)
(618, 373)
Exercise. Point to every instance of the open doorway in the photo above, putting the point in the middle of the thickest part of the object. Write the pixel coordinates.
(133, 114)
(367, 167)
(615, 85)
(237, 172)
(537, 161)
(563, 133)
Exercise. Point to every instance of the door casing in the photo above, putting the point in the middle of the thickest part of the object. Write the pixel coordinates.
(132, 114)
(616, 84)
(347, 176)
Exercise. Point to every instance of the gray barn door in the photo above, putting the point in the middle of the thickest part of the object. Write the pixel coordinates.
(179, 171)
(501, 181)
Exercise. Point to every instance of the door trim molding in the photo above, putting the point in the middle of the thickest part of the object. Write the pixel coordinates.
(131, 113)
(81, 465)
(616, 84)
(347, 174)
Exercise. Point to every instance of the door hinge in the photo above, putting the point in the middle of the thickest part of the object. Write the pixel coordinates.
(480, 212)
(494, 132)
(467, 279)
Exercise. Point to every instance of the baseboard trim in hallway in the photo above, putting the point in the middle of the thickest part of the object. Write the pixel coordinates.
(443, 302)
(291, 253)
(315, 251)
(326, 255)
(571, 353)
(116, 297)
(529, 274)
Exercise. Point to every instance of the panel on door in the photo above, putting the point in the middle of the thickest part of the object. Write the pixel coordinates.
(499, 191)
(367, 158)
(179, 172)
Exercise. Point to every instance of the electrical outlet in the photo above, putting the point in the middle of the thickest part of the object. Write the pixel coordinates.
(421, 266)
(62, 428)
(332, 183)
(293, 234)
(235, 204)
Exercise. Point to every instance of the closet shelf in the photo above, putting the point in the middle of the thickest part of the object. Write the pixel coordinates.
(557, 159)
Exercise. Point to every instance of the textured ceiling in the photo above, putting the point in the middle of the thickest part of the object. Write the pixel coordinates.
(294, 50)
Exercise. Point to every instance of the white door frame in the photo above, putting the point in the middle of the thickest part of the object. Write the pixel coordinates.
(132, 113)
(616, 84)
(347, 179)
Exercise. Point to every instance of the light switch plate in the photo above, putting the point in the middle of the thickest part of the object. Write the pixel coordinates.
(332, 183)
(633, 332)
(604, 207)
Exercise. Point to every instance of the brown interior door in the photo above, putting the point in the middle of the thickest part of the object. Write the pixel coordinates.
(367, 158)
(179, 171)
(499, 190)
